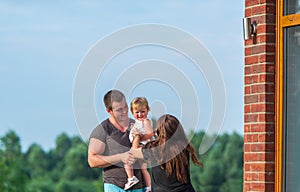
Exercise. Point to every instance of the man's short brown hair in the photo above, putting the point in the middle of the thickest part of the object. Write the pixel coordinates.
(112, 96)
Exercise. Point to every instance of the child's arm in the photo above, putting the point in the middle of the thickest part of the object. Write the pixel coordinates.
(148, 129)
(136, 141)
(134, 137)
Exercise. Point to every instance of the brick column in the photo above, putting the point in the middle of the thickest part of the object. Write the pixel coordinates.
(259, 100)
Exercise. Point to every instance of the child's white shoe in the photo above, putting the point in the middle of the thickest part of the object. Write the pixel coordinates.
(148, 189)
(131, 182)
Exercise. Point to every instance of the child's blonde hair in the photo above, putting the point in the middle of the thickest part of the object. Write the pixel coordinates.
(138, 102)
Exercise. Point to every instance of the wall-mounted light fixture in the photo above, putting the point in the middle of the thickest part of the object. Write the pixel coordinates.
(249, 29)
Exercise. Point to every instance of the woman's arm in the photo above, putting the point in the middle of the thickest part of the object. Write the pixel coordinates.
(137, 153)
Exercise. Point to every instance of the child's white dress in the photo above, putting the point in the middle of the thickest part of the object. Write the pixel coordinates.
(138, 127)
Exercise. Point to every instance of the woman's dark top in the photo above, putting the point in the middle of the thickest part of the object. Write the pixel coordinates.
(160, 181)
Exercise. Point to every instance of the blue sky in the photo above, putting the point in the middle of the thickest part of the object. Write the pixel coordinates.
(42, 45)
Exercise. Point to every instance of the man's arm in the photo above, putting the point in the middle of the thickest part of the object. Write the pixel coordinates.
(96, 159)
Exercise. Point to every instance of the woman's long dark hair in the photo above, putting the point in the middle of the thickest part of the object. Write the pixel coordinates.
(174, 148)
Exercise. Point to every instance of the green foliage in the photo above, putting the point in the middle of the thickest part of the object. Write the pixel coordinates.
(3, 172)
(14, 177)
(223, 164)
(41, 184)
(37, 161)
(65, 167)
(80, 185)
(76, 166)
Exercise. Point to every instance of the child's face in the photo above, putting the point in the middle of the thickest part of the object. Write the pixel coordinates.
(140, 113)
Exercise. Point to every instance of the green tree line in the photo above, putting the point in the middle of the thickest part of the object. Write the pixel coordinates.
(65, 167)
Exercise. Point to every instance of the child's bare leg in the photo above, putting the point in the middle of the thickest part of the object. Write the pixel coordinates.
(145, 174)
(129, 170)
(131, 180)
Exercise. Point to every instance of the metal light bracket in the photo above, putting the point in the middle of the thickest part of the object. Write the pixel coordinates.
(249, 29)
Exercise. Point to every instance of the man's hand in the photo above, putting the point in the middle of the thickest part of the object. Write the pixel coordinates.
(128, 158)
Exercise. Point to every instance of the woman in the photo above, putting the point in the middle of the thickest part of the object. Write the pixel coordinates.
(169, 156)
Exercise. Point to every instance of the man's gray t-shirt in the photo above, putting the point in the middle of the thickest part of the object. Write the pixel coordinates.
(116, 142)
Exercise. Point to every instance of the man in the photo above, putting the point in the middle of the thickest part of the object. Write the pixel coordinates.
(109, 145)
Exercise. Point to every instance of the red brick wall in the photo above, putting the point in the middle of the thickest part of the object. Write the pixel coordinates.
(259, 101)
